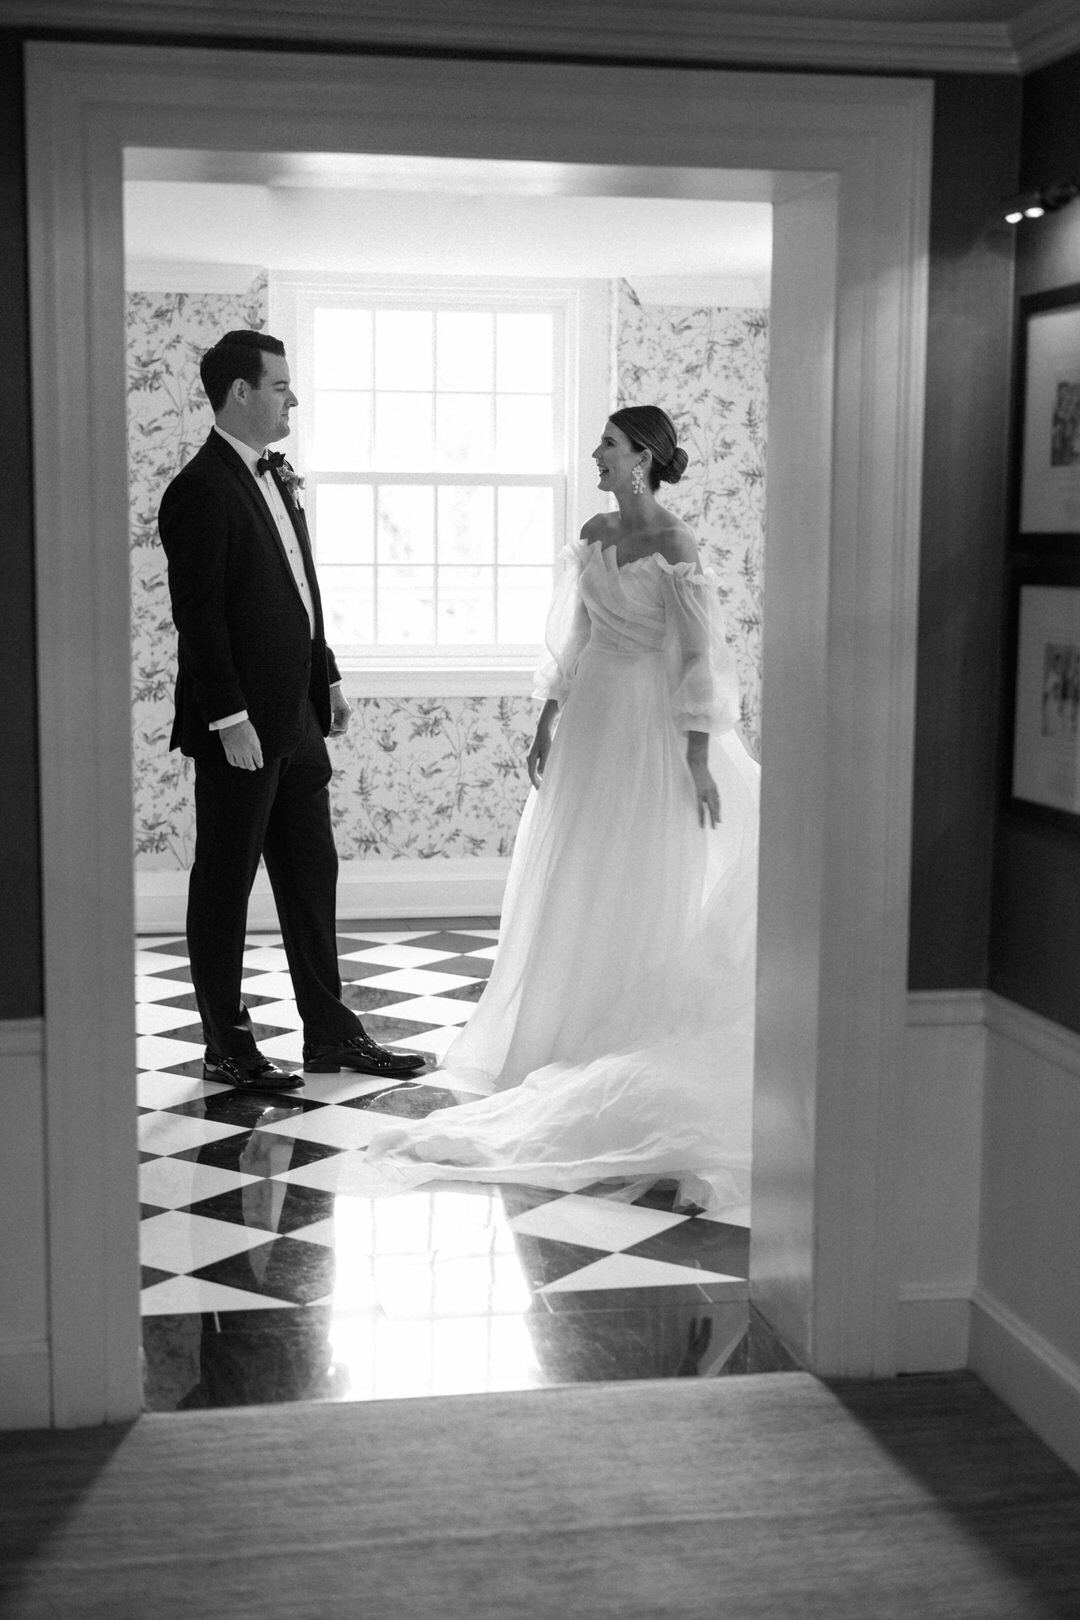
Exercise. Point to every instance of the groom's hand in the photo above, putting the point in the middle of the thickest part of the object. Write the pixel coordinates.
(242, 746)
(340, 710)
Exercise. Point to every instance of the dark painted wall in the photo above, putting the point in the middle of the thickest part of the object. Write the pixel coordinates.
(20, 910)
(1035, 932)
(976, 131)
(959, 661)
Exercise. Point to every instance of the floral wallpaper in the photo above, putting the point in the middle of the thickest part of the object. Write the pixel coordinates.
(427, 777)
(708, 368)
(168, 419)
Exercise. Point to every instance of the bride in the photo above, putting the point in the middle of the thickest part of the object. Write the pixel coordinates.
(615, 1036)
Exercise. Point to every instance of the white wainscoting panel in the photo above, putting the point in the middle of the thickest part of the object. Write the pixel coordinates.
(368, 891)
(1025, 1329)
(939, 1151)
(25, 1366)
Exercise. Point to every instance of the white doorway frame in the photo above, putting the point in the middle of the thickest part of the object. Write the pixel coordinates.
(846, 161)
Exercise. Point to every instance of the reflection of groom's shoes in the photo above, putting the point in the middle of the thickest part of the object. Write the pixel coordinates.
(252, 1073)
(362, 1053)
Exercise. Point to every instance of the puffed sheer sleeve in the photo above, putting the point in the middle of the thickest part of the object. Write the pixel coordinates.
(705, 687)
(568, 628)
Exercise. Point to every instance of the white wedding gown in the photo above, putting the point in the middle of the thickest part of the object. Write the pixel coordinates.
(615, 1036)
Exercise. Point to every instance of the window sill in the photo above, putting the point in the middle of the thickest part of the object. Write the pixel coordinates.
(436, 680)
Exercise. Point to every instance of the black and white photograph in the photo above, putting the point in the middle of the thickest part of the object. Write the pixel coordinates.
(540, 810)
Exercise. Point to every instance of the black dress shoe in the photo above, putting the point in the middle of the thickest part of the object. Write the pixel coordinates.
(362, 1053)
(250, 1074)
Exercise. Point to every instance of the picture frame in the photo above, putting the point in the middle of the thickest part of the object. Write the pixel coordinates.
(1048, 436)
(1045, 763)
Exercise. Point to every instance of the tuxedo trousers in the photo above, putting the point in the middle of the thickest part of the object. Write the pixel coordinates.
(280, 814)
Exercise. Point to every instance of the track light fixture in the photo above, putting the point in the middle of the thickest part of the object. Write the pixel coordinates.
(1046, 200)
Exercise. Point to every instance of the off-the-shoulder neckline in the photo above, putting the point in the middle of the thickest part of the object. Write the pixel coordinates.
(684, 570)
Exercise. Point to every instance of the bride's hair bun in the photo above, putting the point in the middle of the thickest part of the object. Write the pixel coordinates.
(649, 428)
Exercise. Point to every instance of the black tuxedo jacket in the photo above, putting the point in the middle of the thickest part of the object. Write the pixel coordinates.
(245, 641)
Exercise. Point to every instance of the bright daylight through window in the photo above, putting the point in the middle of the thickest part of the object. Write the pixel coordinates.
(435, 460)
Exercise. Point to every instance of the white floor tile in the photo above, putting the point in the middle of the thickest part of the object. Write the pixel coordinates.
(173, 1133)
(397, 956)
(417, 981)
(430, 1010)
(488, 954)
(335, 1127)
(287, 1049)
(166, 1090)
(152, 987)
(596, 1222)
(158, 961)
(172, 1184)
(435, 1041)
(339, 1088)
(266, 959)
(174, 1242)
(163, 1052)
(343, 1173)
(634, 1271)
(377, 937)
(151, 1018)
(279, 986)
(282, 1013)
(182, 1296)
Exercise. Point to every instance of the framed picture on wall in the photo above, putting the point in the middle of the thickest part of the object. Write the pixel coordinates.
(1049, 415)
(1046, 723)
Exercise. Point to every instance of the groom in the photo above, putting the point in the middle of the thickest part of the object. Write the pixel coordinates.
(257, 692)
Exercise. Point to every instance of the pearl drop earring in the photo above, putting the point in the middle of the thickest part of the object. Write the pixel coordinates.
(637, 479)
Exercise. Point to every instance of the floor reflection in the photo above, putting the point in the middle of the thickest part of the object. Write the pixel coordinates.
(267, 1278)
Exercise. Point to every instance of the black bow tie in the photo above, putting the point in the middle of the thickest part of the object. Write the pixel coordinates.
(273, 461)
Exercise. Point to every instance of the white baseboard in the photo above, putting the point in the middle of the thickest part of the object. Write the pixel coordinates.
(25, 1363)
(25, 1377)
(1041, 1385)
(368, 891)
(932, 1327)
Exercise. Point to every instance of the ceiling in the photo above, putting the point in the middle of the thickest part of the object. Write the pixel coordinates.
(994, 36)
(190, 215)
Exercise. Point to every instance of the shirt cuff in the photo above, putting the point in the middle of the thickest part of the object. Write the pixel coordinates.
(229, 720)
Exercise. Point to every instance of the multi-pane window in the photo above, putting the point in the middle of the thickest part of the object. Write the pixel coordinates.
(435, 454)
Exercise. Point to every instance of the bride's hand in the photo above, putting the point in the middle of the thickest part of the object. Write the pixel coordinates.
(708, 794)
(538, 753)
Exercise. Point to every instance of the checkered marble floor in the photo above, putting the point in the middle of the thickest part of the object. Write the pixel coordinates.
(267, 1277)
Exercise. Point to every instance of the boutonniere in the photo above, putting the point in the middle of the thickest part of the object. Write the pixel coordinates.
(278, 462)
(293, 482)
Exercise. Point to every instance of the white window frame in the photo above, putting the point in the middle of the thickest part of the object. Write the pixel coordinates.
(586, 309)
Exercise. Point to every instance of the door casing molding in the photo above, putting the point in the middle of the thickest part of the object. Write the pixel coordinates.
(846, 162)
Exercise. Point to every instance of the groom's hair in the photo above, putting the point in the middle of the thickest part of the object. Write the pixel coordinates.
(237, 354)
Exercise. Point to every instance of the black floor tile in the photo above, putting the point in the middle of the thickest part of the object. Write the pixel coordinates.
(448, 940)
(396, 1029)
(364, 998)
(286, 1268)
(463, 992)
(580, 1301)
(408, 1101)
(263, 1205)
(706, 1245)
(647, 1340)
(227, 1152)
(545, 1260)
(250, 1108)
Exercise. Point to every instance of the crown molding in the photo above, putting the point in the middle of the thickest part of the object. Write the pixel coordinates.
(1046, 33)
(623, 31)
